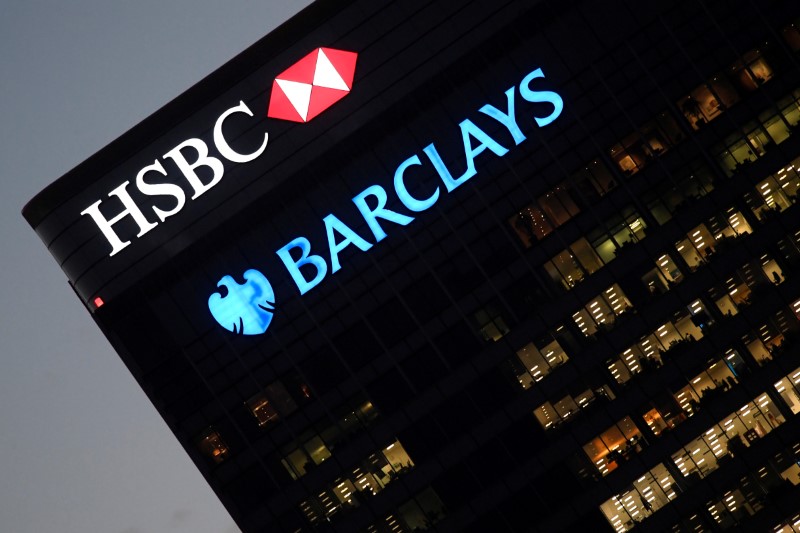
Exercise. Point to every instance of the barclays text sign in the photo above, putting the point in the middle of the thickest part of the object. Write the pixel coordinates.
(247, 308)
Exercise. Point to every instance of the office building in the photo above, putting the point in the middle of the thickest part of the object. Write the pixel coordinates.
(468, 266)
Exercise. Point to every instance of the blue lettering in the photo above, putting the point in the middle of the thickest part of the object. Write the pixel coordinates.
(468, 130)
(380, 211)
(541, 96)
(305, 259)
(409, 201)
(507, 119)
(350, 237)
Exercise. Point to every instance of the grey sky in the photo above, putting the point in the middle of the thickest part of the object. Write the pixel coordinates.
(81, 448)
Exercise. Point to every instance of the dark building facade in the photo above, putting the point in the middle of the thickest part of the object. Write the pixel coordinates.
(535, 268)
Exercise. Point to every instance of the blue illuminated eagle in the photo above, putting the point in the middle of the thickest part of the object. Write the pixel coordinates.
(247, 309)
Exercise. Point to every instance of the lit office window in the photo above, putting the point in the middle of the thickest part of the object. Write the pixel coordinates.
(777, 127)
(586, 256)
(650, 140)
(551, 415)
(271, 404)
(367, 479)
(593, 181)
(739, 149)
(571, 266)
(644, 356)
(614, 446)
(788, 179)
(539, 359)
(752, 71)
(729, 226)
(708, 101)
(298, 461)
(732, 505)
(718, 378)
(262, 409)
(789, 389)
(660, 279)
(772, 270)
(790, 108)
(531, 225)
(697, 245)
(617, 233)
(733, 434)
(602, 311)
(212, 446)
(558, 206)
(769, 340)
(652, 491)
(767, 200)
(664, 415)
(696, 323)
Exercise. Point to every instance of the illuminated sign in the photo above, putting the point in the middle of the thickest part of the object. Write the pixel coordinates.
(300, 93)
(312, 85)
(246, 308)
(307, 269)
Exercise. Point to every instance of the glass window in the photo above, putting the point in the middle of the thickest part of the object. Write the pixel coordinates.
(271, 404)
(490, 323)
(704, 387)
(539, 361)
(614, 446)
(642, 356)
(772, 270)
(768, 199)
(643, 497)
(420, 513)
(791, 34)
(212, 446)
(789, 389)
(585, 254)
(752, 71)
(550, 415)
(558, 206)
(788, 180)
(790, 108)
(669, 270)
(725, 226)
(708, 101)
(593, 181)
(262, 409)
(569, 267)
(746, 425)
(739, 152)
(664, 415)
(776, 127)
(601, 311)
(530, 225)
(564, 270)
(317, 450)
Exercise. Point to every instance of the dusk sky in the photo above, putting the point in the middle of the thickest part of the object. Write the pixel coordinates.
(81, 447)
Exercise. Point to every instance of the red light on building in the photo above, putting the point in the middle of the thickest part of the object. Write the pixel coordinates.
(98, 302)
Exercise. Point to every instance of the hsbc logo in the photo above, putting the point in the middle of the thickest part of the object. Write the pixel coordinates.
(300, 93)
(312, 85)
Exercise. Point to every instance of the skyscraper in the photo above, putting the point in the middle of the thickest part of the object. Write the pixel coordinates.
(467, 267)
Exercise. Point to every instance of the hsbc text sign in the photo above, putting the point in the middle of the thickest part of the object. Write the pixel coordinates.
(300, 93)
(247, 308)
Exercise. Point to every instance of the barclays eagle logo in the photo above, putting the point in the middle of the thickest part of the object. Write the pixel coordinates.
(246, 309)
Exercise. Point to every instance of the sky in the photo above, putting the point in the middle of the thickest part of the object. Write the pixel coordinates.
(81, 447)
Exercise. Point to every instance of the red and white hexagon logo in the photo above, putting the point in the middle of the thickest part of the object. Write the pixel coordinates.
(312, 85)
